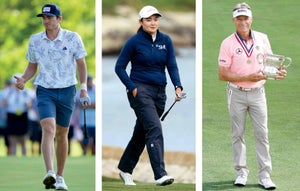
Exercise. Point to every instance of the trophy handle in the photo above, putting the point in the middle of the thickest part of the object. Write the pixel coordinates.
(289, 60)
(260, 58)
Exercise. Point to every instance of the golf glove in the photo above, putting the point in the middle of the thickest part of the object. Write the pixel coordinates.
(84, 100)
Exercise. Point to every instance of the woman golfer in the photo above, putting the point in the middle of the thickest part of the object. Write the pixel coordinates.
(150, 53)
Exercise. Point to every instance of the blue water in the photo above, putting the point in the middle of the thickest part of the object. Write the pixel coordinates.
(118, 118)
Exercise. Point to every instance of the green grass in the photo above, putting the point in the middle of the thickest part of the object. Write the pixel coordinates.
(278, 20)
(26, 173)
(109, 184)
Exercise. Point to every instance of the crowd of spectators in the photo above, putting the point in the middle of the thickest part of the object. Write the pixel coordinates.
(20, 127)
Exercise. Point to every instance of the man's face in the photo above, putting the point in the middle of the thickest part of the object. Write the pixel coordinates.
(51, 22)
(242, 23)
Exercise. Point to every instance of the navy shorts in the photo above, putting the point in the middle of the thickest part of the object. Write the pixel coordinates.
(56, 103)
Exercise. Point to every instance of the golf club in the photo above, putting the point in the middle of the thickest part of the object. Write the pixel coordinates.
(85, 101)
(181, 96)
(84, 125)
(166, 113)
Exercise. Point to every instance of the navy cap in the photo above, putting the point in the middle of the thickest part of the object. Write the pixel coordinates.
(50, 10)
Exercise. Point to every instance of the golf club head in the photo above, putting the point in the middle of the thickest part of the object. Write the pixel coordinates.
(181, 95)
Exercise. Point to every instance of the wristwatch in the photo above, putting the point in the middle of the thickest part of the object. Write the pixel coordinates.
(178, 87)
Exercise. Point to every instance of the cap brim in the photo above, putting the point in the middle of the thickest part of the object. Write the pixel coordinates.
(48, 14)
(149, 15)
(246, 15)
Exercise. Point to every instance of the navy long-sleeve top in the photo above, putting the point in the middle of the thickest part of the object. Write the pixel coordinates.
(148, 61)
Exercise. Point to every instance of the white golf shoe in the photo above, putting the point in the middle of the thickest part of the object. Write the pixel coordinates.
(165, 180)
(242, 177)
(267, 183)
(241, 180)
(60, 183)
(127, 178)
(49, 180)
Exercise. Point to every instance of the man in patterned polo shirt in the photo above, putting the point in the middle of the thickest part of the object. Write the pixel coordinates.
(57, 52)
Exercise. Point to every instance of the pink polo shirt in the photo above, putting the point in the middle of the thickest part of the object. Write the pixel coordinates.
(242, 58)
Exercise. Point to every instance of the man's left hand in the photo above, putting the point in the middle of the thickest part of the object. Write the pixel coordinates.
(281, 74)
(85, 101)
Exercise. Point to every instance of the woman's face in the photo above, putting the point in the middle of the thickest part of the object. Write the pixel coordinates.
(242, 23)
(150, 24)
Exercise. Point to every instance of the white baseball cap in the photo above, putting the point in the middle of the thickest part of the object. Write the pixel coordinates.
(242, 12)
(148, 11)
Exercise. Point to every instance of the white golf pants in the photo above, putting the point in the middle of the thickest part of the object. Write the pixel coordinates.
(240, 103)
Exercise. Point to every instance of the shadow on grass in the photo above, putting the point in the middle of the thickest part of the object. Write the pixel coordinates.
(227, 185)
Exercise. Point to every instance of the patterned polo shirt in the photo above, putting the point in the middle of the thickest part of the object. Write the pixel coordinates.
(56, 58)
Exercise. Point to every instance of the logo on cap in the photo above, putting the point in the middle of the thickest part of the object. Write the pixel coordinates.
(46, 9)
(242, 12)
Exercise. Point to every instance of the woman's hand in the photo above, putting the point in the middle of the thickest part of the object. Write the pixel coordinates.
(179, 94)
(134, 92)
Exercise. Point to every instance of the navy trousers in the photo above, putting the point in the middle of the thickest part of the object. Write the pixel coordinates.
(148, 106)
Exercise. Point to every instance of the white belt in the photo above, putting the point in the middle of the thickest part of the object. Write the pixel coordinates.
(241, 88)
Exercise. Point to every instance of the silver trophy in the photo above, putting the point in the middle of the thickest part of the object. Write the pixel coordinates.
(272, 63)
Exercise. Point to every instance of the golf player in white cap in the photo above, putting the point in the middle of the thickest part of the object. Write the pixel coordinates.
(238, 65)
(151, 53)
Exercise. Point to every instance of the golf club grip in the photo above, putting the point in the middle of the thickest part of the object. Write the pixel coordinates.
(165, 115)
(84, 125)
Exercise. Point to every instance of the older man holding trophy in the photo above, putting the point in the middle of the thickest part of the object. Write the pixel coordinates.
(246, 61)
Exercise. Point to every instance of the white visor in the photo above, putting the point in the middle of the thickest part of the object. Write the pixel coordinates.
(242, 12)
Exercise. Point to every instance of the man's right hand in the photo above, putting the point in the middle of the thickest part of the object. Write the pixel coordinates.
(19, 82)
(255, 77)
